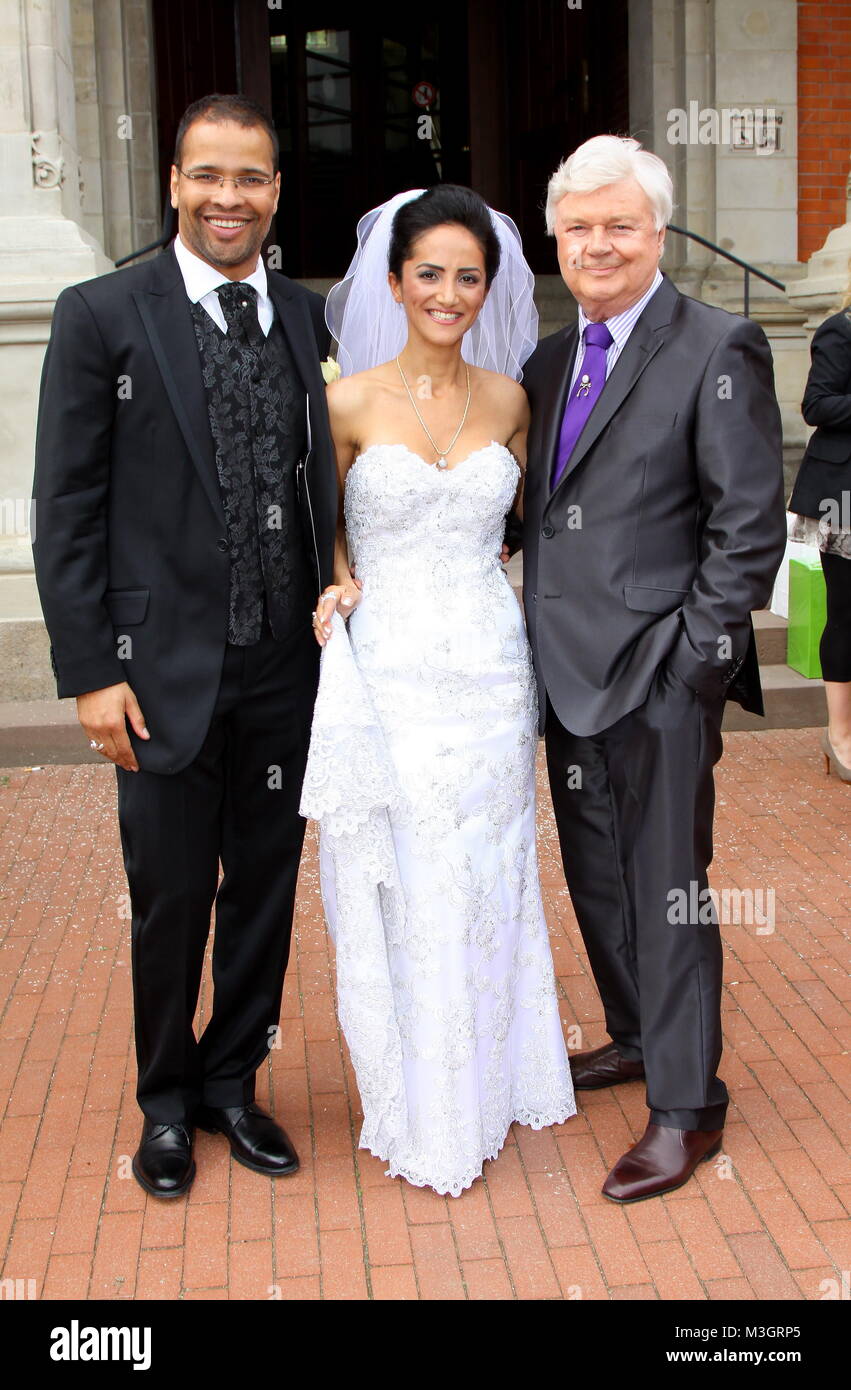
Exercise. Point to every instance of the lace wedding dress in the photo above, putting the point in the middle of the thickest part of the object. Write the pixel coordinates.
(422, 776)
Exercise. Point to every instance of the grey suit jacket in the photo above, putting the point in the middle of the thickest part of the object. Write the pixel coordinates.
(668, 525)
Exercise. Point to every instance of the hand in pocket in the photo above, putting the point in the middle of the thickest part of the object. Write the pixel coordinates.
(669, 699)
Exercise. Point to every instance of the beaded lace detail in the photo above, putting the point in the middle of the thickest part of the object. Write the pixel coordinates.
(421, 775)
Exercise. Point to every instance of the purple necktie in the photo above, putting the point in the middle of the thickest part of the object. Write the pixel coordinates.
(584, 392)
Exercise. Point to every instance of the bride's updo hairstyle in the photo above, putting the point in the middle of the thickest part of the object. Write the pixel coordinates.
(442, 204)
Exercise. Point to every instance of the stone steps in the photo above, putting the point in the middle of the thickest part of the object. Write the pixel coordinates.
(34, 732)
(770, 632)
(38, 731)
(791, 700)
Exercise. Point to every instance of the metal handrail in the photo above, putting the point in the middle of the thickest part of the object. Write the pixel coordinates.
(728, 255)
(134, 255)
(164, 238)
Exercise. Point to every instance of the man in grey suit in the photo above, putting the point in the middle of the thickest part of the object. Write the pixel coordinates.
(653, 524)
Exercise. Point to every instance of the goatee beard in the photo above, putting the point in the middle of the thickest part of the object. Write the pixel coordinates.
(224, 255)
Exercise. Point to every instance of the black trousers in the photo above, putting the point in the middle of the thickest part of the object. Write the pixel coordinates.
(236, 802)
(835, 645)
(634, 808)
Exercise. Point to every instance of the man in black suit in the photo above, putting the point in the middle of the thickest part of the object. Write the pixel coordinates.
(186, 503)
(653, 525)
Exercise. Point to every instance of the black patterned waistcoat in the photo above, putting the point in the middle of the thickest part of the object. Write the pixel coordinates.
(257, 413)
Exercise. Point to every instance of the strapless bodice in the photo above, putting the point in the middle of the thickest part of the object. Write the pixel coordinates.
(406, 517)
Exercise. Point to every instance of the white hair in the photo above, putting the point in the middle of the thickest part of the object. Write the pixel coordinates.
(606, 159)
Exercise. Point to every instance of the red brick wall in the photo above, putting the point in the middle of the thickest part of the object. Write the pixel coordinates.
(824, 118)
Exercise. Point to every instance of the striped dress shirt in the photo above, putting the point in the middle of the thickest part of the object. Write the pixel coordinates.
(620, 328)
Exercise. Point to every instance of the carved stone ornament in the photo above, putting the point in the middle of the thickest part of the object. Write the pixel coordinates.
(47, 173)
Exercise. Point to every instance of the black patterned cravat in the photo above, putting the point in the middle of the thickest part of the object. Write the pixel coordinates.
(239, 306)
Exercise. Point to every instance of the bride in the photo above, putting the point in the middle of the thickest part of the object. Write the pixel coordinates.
(422, 762)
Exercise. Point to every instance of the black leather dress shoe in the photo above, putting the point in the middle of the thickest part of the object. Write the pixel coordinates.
(604, 1066)
(163, 1163)
(256, 1140)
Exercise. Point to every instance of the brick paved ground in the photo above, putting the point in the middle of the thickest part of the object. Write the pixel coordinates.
(770, 1222)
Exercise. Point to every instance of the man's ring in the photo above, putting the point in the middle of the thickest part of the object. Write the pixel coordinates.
(96, 746)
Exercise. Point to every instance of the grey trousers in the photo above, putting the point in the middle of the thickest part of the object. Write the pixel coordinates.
(634, 808)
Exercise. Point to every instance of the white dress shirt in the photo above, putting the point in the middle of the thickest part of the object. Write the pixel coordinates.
(620, 328)
(202, 280)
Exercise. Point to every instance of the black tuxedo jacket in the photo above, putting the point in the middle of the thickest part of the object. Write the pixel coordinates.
(130, 539)
(668, 525)
(825, 472)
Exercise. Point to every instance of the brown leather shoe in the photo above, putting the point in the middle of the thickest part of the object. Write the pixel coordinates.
(602, 1067)
(662, 1160)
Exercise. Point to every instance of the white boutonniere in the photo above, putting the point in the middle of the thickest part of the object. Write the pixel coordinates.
(331, 370)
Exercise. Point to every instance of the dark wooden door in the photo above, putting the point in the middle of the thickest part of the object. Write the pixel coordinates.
(345, 83)
(342, 83)
(567, 79)
(196, 53)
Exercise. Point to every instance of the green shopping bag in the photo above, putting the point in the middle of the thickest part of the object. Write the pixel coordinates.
(807, 615)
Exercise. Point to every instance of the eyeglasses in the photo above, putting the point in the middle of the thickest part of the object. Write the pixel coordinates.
(246, 183)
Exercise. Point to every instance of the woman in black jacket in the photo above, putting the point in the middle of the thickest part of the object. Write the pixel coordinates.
(822, 499)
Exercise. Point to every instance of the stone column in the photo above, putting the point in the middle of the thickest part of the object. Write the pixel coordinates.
(43, 248)
(656, 84)
(123, 58)
(756, 195)
(756, 68)
(710, 59)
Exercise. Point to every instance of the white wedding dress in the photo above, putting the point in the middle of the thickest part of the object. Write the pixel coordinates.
(422, 776)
